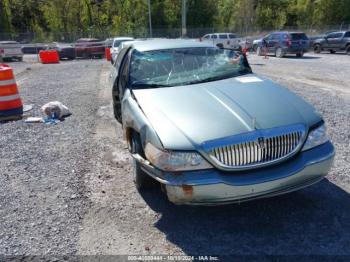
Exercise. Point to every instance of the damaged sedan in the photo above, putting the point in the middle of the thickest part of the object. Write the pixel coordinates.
(198, 121)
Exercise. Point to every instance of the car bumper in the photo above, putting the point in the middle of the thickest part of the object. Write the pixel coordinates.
(296, 50)
(212, 187)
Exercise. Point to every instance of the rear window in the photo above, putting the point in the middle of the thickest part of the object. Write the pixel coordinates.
(222, 36)
(298, 36)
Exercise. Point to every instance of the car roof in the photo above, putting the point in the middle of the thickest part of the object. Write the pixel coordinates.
(161, 44)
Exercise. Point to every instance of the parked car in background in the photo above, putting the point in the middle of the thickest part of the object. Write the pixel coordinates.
(333, 42)
(223, 40)
(33, 48)
(89, 47)
(10, 50)
(209, 130)
(116, 44)
(284, 43)
(65, 51)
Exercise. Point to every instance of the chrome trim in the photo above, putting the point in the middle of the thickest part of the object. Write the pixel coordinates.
(256, 148)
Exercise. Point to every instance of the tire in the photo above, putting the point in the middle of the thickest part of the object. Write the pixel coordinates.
(279, 52)
(317, 49)
(259, 51)
(112, 61)
(301, 54)
(220, 45)
(347, 50)
(332, 51)
(141, 179)
(20, 59)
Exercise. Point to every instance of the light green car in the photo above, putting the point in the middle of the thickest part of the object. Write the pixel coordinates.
(198, 121)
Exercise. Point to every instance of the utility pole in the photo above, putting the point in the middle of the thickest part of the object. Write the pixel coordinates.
(149, 18)
(184, 30)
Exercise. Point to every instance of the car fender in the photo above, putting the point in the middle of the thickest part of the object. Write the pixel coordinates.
(134, 119)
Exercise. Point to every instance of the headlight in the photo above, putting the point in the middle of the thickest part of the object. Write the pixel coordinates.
(316, 137)
(175, 160)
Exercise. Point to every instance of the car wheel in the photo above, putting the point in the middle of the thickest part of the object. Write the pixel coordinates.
(348, 50)
(112, 61)
(317, 49)
(20, 59)
(141, 179)
(279, 52)
(332, 51)
(301, 54)
(220, 45)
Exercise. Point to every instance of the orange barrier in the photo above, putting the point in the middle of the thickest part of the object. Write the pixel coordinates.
(108, 53)
(49, 56)
(11, 106)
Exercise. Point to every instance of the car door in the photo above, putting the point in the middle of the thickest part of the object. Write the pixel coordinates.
(118, 81)
(328, 41)
(336, 41)
(267, 41)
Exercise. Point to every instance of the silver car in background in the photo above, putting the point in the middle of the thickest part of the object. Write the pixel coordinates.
(209, 130)
(10, 50)
(116, 46)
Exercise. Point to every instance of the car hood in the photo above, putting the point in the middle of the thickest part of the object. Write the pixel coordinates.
(186, 116)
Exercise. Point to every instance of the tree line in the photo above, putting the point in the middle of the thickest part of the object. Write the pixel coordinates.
(130, 17)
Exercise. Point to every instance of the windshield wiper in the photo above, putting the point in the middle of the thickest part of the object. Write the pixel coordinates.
(146, 85)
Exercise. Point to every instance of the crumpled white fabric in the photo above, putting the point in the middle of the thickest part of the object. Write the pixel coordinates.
(55, 108)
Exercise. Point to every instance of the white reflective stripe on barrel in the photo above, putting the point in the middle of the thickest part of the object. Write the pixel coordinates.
(9, 98)
(7, 82)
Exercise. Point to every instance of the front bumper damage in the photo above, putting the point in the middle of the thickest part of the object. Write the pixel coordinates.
(213, 187)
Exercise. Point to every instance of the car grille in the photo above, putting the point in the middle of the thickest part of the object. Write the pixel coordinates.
(261, 150)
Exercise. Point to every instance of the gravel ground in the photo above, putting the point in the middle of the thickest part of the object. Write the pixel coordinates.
(67, 189)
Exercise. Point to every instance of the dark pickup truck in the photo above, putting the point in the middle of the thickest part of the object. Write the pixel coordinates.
(333, 42)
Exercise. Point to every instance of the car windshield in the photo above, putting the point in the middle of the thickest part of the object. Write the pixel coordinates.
(185, 66)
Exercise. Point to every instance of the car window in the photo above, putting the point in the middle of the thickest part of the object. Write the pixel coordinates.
(223, 36)
(338, 35)
(206, 37)
(116, 43)
(298, 36)
(232, 36)
(268, 37)
(185, 66)
(275, 37)
(214, 36)
(331, 35)
(347, 34)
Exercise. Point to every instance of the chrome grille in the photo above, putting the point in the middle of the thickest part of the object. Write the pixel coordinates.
(261, 150)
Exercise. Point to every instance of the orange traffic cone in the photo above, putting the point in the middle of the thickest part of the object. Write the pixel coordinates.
(108, 54)
(11, 106)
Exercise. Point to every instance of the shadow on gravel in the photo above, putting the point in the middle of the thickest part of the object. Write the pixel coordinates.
(303, 58)
(314, 220)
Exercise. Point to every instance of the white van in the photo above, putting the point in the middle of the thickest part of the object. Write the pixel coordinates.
(224, 40)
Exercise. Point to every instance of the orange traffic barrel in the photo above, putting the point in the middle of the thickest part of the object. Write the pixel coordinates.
(108, 53)
(49, 57)
(10, 102)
